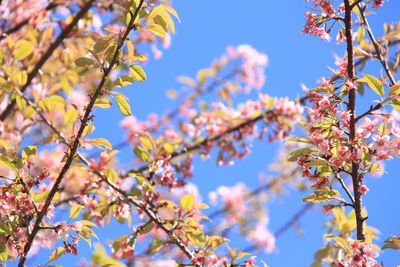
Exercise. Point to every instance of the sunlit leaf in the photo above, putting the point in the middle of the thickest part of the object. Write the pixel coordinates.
(123, 105)
(375, 84)
(75, 210)
(23, 49)
(138, 73)
(56, 254)
(187, 202)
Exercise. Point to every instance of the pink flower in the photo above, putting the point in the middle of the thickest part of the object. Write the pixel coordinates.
(366, 128)
(377, 3)
(364, 189)
(328, 208)
(262, 237)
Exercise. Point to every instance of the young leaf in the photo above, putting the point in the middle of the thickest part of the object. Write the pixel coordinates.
(321, 197)
(138, 73)
(84, 62)
(23, 49)
(142, 154)
(103, 103)
(123, 105)
(294, 155)
(187, 202)
(101, 142)
(56, 254)
(75, 210)
(375, 84)
(157, 30)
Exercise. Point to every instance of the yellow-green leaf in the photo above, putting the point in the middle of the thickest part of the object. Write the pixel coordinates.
(321, 197)
(123, 105)
(70, 116)
(157, 30)
(101, 142)
(187, 202)
(103, 103)
(138, 73)
(23, 49)
(56, 254)
(395, 90)
(75, 210)
(375, 84)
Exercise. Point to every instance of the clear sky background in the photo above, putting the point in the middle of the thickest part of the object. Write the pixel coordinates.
(273, 27)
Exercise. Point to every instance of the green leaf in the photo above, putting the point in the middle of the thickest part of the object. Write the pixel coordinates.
(214, 242)
(75, 210)
(360, 34)
(138, 73)
(375, 84)
(187, 202)
(392, 243)
(102, 44)
(29, 151)
(88, 223)
(3, 252)
(157, 30)
(4, 229)
(294, 155)
(124, 80)
(101, 142)
(321, 197)
(56, 254)
(123, 105)
(142, 154)
(297, 139)
(84, 62)
(103, 103)
(23, 49)
(6, 163)
(395, 90)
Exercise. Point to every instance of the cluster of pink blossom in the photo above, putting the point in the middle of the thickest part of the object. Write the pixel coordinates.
(233, 199)
(314, 27)
(14, 12)
(362, 255)
(378, 3)
(252, 67)
(262, 237)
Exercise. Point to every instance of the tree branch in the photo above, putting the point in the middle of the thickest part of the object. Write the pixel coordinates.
(76, 142)
(351, 108)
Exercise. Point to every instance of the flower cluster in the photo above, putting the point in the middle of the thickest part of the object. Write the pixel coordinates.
(361, 255)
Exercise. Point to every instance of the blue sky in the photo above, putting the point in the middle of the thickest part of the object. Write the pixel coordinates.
(207, 27)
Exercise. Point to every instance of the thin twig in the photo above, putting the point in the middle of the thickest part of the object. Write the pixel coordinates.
(337, 176)
(376, 46)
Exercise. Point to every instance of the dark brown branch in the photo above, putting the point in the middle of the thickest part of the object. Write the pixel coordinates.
(77, 142)
(64, 33)
(376, 46)
(351, 107)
